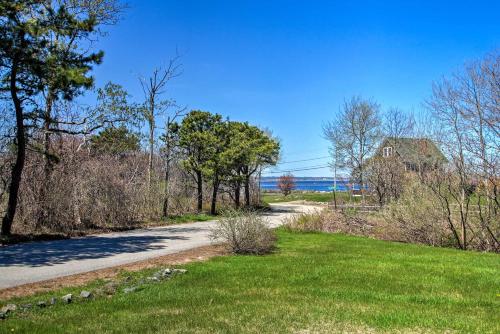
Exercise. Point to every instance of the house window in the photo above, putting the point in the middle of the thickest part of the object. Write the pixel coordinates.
(387, 151)
(410, 167)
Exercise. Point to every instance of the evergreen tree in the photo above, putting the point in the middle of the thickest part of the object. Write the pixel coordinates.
(197, 140)
(30, 60)
(115, 141)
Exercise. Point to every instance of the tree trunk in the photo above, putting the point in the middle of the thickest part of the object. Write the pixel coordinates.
(335, 182)
(259, 191)
(76, 205)
(380, 195)
(463, 215)
(167, 193)
(199, 182)
(151, 152)
(17, 169)
(247, 190)
(361, 187)
(361, 180)
(215, 190)
(464, 237)
(167, 174)
(44, 213)
(450, 221)
(237, 192)
(334, 199)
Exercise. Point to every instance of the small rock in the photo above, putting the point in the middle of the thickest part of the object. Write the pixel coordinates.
(129, 290)
(67, 298)
(86, 294)
(153, 278)
(180, 271)
(8, 308)
(165, 273)
(41, 304)
(3, 315)
(53, 301)
(27, 306)
(109, 288)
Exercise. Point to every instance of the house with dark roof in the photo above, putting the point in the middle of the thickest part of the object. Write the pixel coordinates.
(417, 154)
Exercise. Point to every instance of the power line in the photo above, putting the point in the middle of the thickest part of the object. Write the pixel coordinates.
(298, 170)
(295, 153)
(273, 169)
(312, 159)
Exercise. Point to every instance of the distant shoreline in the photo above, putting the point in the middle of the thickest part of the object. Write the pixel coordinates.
(305, 178)
(322, 184)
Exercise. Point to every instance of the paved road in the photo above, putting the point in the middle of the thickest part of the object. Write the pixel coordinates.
(39, 261)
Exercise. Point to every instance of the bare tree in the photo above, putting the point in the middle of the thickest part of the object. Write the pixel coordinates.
(356, 133)
(153, 88)
(69, 118)
(104, 12)
(398, 124)
(170, 138)
(286, 183)
(480, 100)
(386, 178)
(332, 134)
(466, 106)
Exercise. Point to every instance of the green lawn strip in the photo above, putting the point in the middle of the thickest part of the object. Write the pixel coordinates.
(196, 217)
(306, 196)
(317, 282)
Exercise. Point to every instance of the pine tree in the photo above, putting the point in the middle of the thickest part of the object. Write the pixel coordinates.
(31, 62)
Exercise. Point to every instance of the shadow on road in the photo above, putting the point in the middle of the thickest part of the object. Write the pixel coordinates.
(55, 252)
(176, 229)
(37, 254)
(281, 209)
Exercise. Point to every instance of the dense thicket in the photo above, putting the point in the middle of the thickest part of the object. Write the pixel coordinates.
(68, 166)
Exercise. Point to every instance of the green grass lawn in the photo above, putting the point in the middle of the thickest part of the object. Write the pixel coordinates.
(306, 196)
(313, 283)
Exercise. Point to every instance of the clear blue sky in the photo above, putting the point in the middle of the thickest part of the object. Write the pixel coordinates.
(288, 65)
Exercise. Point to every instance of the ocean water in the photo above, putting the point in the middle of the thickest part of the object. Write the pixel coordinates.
(309, 185)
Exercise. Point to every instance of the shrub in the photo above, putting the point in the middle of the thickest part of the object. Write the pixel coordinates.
(286, 183)
(416, 217)
(307, 222)
(331, 222)
(244, 233)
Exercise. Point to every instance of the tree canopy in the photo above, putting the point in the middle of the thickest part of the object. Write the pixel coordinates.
(224, 151)
(114, 141)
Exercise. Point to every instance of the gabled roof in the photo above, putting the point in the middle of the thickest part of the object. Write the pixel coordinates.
(414, 150)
